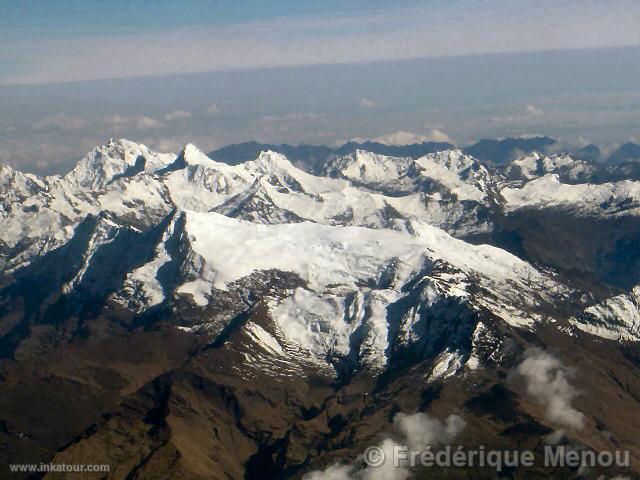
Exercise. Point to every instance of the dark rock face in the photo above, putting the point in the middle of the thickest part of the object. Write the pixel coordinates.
(502, 152)
(628, 152)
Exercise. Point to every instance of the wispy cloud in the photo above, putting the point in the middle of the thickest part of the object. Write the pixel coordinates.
(177, 115)
(60, 121)
(366, 103)
(546, 380)
(327, 39)
(534, 111)
(287, 117)
(123, 123)
(270, 127)
(402, 137)
(321, 106)
(531, 112)
(212, 109)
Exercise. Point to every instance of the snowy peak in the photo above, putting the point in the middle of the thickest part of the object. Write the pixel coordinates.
(333, 257)
(449, 172)
(460, 174)
(453, 160)
(369, 168)
(617, 318)
(617, 198)
(537, 165)
(117, 159)
(16, 186)
(10, 177)
(191, 155)
(269, 160)
(277, 170)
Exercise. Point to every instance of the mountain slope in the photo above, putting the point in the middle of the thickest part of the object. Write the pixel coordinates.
(156, 310)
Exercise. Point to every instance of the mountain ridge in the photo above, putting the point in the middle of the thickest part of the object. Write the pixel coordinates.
(490, 151)
(294, 314)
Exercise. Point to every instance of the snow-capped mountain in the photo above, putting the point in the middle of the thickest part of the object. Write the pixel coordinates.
(608, 199)
(434, 269)
(616, 318)
(139, 186)
(533, 166)
(371, 227)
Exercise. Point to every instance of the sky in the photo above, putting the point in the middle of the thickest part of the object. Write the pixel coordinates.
(75, 73)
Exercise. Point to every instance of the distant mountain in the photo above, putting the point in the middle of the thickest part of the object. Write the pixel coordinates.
(414, 150)
(621, 164)
(312, 158)
(501, 152)
(307, 155)
(628, 152)
(589, 153)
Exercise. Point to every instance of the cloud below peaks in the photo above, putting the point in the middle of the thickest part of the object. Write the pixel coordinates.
(402, 137)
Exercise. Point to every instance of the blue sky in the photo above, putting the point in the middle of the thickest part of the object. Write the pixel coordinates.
(68, 17)
(74, 73)
(52, 41)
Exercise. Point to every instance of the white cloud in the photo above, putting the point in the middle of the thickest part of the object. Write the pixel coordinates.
(437, 135)
(143, 122)
(333, 472)
(507, 119)
(61, 121)
(283, 128)
(212, 108)
(366, 103)
(417, 431)
(546, 380)
(386, 471)
(608, 149)
(530, 112)
(554, 437)
(534, 111)
(120, 123)
(177, 115)
(288, 117)
(422, 430)
(175, 143)
(165, 145)
(406, 138)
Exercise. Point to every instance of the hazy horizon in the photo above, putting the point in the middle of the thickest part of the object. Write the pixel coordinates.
(74, 74)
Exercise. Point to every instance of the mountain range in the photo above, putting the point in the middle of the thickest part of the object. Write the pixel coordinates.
(271, 311)
(312, 158)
